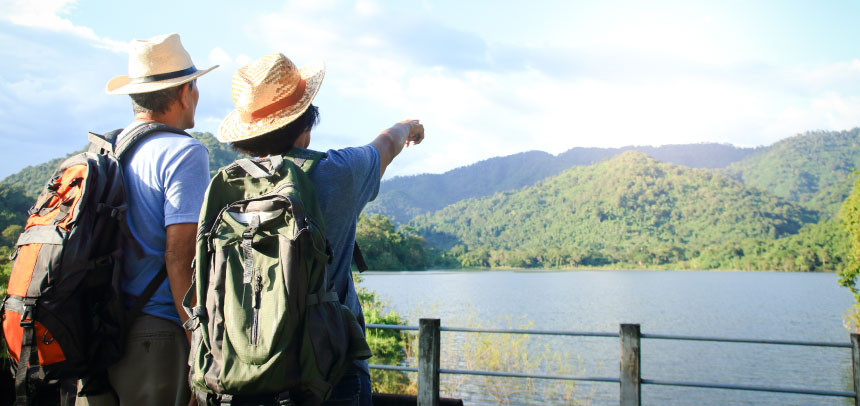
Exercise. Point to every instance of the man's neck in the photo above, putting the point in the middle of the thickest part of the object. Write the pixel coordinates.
(164, 118)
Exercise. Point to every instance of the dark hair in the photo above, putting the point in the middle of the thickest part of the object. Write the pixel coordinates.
(158, 101)
(281, 140)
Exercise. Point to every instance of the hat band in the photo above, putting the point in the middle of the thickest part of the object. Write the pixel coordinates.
(164, 76)
(293, 98)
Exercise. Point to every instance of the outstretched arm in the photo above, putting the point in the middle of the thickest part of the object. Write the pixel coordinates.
(391, 141)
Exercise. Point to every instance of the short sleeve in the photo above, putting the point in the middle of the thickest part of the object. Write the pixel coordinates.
(187, 176)
(361, 165)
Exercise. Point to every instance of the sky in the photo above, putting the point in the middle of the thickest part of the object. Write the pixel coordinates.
(486, 78)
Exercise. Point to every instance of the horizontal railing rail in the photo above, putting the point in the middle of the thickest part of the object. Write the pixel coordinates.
(630, 378)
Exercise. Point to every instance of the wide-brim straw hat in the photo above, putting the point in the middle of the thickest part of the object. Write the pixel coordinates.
(269, 93)
(155, 64)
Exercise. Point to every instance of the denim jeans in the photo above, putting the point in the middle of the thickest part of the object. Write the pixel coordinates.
(352, 390)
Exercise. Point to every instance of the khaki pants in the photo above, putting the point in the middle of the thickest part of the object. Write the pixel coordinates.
(153, 370)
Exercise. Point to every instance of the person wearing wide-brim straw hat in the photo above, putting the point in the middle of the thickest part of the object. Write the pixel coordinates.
(274, 113)
(155, 64)
(165, 176)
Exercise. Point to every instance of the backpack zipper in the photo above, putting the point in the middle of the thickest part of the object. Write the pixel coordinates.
(220, 215)
(257, 288)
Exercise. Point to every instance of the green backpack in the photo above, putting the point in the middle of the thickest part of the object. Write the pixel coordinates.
(266, 327)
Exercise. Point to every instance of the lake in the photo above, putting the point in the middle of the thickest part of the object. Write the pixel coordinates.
(757, 305)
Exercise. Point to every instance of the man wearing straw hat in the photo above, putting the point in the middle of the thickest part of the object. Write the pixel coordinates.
(274, 114)
(165, 177)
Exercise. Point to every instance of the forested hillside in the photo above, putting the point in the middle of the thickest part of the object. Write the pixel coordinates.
(815, 169)
(629, 209)
(32, 179)
(403, 198)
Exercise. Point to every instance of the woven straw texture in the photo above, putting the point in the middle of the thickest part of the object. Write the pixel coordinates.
(266, 96)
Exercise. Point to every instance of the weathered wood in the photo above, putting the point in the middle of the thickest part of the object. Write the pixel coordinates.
(631, 373)
(429, 343)
(855, 362)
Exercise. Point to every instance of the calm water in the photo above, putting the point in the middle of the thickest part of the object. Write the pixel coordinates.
(761, 305)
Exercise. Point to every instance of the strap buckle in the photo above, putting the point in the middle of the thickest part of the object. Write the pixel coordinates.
(28, 313)
(284, 399)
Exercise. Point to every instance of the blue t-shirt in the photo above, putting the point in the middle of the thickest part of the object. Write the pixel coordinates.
(165, 178)
(344, 182)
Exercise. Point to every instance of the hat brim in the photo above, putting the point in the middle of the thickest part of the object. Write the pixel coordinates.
(122, 85)
(233, 128)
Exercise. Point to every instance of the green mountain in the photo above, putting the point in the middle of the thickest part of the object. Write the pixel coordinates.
(220, 155)
(14, 204)
(31, 179)
(403, 198)
(628, 209)
(815, 169)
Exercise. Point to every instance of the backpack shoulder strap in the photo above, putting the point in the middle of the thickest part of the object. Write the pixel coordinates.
(358, 258)
(138, 134)
(103, 143)
(305, 159)
(258, 167)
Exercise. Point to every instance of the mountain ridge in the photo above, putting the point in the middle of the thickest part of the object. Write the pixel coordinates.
(629, 208)
(402, 198)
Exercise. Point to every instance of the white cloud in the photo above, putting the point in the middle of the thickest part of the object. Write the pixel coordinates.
(47, 15)
(226, 62)
(367, 8)
(218, 56)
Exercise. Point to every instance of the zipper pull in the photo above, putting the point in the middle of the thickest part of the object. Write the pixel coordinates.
(257, 287)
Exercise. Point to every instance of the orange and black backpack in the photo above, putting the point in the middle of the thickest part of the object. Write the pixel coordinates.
(64, 315)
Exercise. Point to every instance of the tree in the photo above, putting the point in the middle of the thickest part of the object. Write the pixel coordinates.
(850, 214)
(388, 346)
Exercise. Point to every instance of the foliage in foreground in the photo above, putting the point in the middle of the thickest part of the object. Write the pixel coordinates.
(388, 346)
(850, 216)
(519, 353)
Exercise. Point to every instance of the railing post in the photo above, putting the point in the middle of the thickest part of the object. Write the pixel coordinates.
(855, 362)
(631, 373)
(428, 362)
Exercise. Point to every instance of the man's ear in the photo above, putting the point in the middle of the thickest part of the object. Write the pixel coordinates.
(185, 95)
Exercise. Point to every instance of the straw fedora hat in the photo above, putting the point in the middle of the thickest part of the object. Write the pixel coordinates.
(269, 93)
(155, 64)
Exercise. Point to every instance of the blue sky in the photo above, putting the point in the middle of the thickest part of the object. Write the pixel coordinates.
(487, 78)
